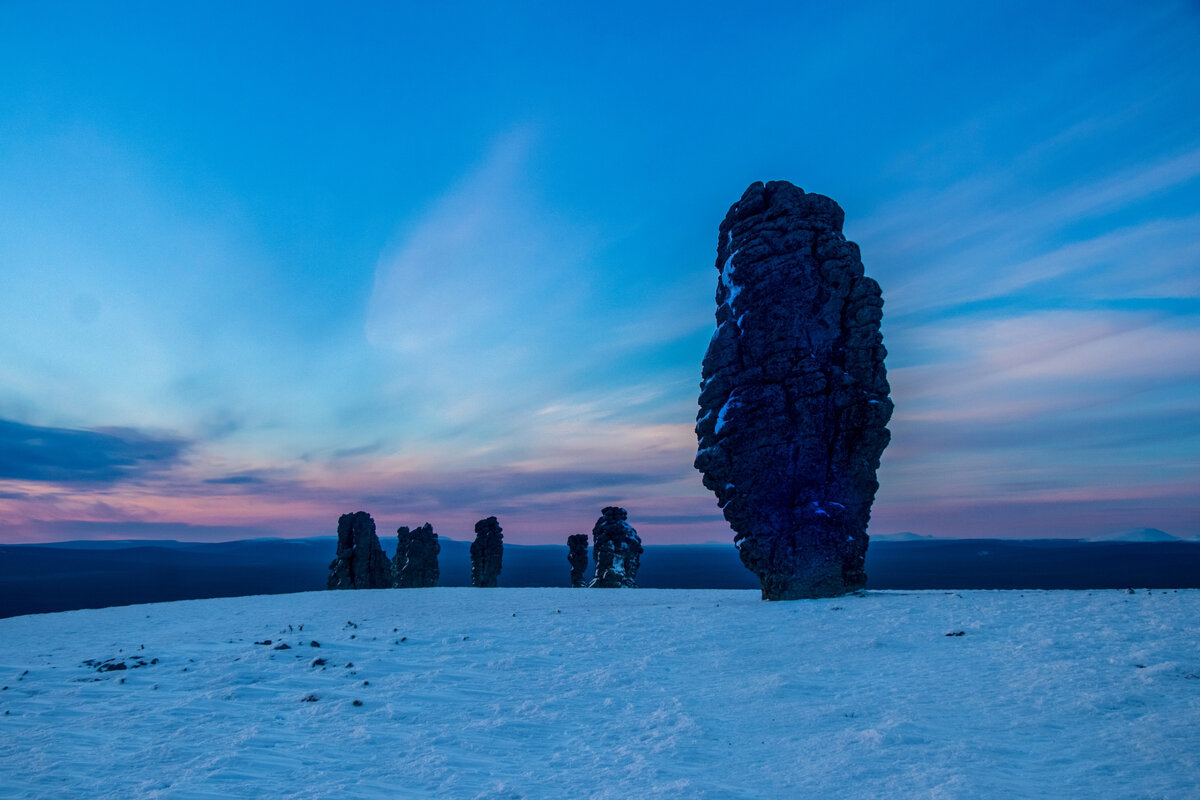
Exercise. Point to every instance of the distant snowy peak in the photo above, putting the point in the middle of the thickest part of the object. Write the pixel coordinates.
(903, 536)
(1139, 535)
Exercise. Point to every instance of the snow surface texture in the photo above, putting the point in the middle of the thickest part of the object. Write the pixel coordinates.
(515, 693)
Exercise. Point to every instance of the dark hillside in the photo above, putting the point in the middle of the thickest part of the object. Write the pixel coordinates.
(64, 576)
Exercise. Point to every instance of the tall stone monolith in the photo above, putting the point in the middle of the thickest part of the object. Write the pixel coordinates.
(487, 553)
(360, 562)
(415, 564)
(794, 398)
(577, 557)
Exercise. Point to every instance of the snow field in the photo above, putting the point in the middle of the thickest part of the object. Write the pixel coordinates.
(546, 693)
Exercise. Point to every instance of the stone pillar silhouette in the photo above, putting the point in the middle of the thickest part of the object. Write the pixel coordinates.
(487, 553)
(415, 565)
(360, 562)
(617, 550)
(794, 398)
(577, 556)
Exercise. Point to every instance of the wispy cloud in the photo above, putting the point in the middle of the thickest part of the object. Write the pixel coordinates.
(492, 315)
(1015, 367)
(89, 530)
(1056, 407)
(235, 480)
(1043, 329)
(974, 240)
(110, 455)
(483, 299)
(1147, 259)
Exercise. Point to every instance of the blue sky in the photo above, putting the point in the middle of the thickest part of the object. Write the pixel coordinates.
(262, 266)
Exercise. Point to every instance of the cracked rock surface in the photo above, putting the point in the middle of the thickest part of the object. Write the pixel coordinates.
(794, 395)
(360, 562)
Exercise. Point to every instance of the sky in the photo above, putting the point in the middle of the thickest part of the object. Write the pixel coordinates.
(264, 264)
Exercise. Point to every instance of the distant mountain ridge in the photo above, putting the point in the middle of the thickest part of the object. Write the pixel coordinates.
(902, 536)
(1135, 535)
(1138, 535)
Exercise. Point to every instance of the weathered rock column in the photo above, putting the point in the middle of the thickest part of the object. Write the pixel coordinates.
(360, 562)
(617, 550)
(487, 553)
(415, 565)
(577, 557)
(794, 397)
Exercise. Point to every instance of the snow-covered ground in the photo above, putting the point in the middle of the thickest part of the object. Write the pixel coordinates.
(552, 693)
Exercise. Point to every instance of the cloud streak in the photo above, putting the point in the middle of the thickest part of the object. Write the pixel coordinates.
(973, 241)
(485, 290)
(1018, 414)
(104, 456)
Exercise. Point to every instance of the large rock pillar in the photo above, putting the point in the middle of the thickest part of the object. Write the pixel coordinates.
(794, 398)
(487, 553)
(360, 562)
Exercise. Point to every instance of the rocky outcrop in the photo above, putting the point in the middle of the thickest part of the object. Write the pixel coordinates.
(487, 553)
(617, 549)
(577, 557)
(360, 562)
(415, 564)
(794, 397)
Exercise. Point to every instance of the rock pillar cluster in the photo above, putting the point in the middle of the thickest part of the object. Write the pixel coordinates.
(487, 553)
(617, 550)
(360, 562)
(794, 398)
